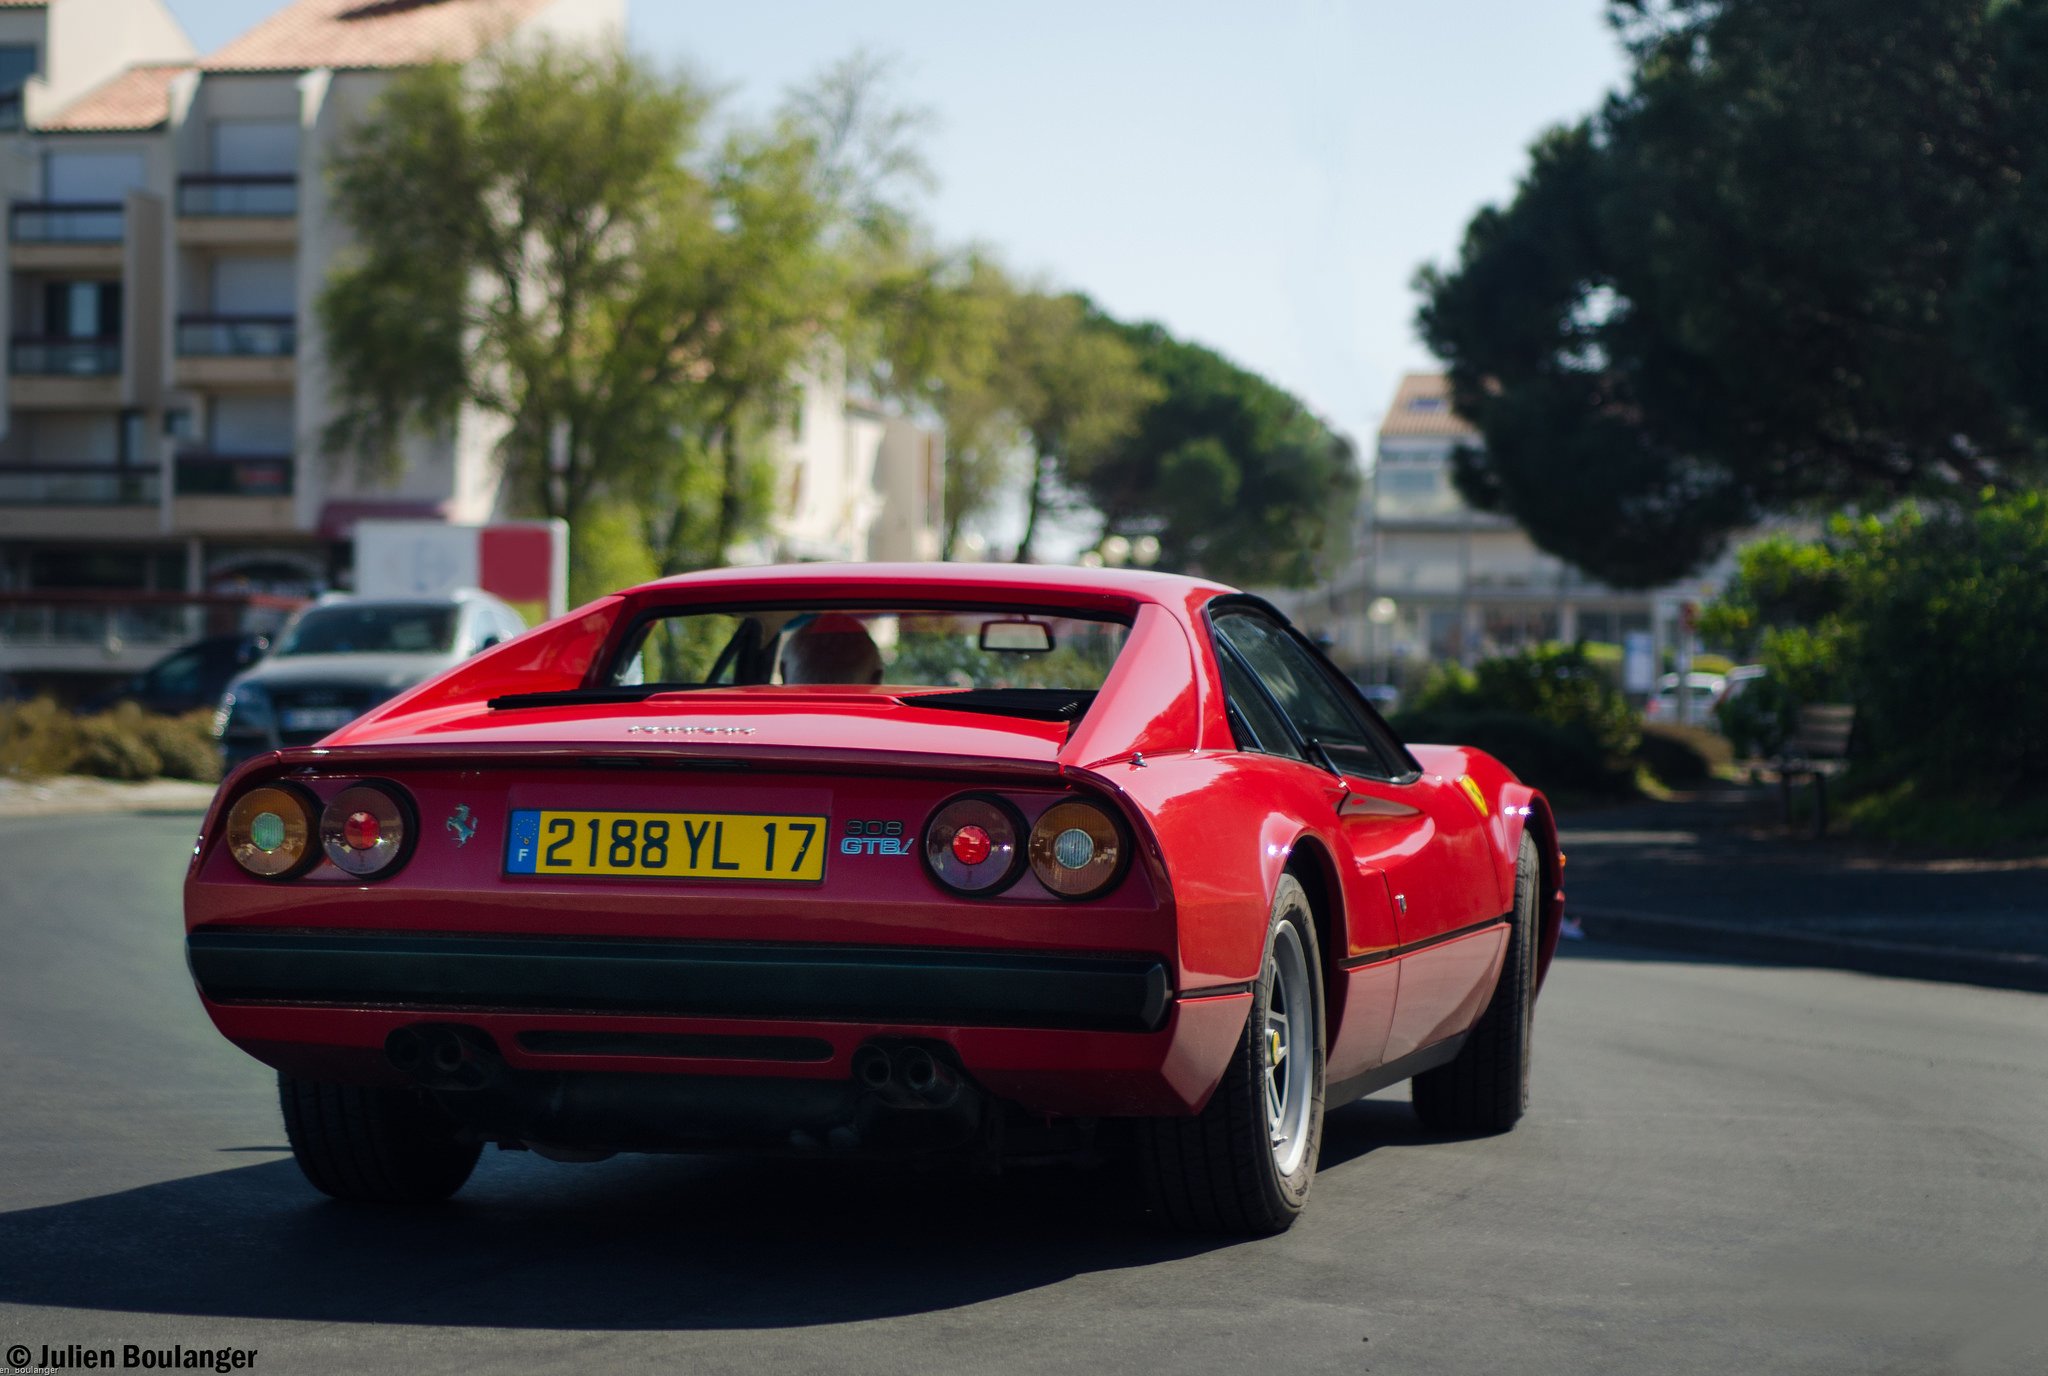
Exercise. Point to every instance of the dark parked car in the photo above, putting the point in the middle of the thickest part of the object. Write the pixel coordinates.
(186, 679)
(343, 655)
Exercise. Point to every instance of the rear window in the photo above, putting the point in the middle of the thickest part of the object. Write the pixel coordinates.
(897, 647)
(371, 629)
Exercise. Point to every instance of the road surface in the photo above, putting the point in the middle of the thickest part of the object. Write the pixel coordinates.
(1726, 1169)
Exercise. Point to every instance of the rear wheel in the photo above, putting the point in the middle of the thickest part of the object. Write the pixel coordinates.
(1246, 1162)
(373, 1143)
(1486, 1088)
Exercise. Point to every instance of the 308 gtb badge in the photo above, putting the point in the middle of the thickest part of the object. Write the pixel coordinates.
(873, 838)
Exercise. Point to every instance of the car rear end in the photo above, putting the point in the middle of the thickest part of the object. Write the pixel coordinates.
(796, 919)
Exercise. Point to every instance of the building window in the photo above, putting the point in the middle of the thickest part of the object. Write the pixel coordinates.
(17, 65)
(1425, 403)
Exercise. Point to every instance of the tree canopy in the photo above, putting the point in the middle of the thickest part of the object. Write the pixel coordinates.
(572, 248)
(1800, 261)
(1234, 475)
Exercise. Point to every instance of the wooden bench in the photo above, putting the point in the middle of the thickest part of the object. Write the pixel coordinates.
(1819, 748)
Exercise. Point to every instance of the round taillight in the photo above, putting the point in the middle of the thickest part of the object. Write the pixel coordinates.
(973, 845)
(270, 831)
(363, 830)
(1077, 849)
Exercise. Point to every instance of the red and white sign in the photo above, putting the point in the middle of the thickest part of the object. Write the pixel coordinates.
(524, 562)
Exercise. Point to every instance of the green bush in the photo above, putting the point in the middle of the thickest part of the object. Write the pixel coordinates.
(1558, 684)
(1557, 758)
(1948, 649)
(39, 738)
(186, 745)
(1683, 756)
(114, 745)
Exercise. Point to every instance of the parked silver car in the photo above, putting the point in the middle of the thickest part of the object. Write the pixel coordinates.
(343, 655)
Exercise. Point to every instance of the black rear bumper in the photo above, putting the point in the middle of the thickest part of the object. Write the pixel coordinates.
(914, 986)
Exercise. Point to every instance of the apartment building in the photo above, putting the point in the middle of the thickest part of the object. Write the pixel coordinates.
(166, 388)
(1432, 578)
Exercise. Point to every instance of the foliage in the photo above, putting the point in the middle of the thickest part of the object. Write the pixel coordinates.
(1948, 654)
(1078, 389)
(1235, 476)
(560, 245)
(1558, 684)
(1799, 260)
(1683, 756)
(1929, 622)
(939, 325)
(1559, 758)
(1759, 720)
(39, 738)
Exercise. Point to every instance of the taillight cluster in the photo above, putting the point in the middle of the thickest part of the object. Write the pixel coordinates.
(978, 844)
(280, 831)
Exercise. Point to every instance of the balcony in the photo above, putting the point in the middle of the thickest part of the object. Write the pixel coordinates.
(236, 350)
(79, 485)
(249, 195)
(60, 235)
(237, 336)
(66, 222)
(233, 210)
(45, 356)
(232, 494)
(57, 630)
(234, 475)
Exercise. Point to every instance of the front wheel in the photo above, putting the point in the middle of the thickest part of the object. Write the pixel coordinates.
(1245, 1163)
(1486, 1088)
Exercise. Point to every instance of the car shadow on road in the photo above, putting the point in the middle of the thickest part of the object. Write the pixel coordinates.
(668, 1243)
(633, 1243)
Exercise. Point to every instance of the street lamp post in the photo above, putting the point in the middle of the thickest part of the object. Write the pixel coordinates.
(1381, 614)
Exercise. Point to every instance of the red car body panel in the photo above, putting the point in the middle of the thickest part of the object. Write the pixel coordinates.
(1410, 879)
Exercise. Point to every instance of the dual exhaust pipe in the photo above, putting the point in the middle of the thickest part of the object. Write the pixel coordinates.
(440, 1056)
(906, 1076)
(451, 1056)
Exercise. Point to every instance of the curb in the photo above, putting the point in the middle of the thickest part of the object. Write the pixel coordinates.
(1899, 959)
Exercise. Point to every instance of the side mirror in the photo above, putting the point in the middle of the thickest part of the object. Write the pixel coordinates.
(1016, 637)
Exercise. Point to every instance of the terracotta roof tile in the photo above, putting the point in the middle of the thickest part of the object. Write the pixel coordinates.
(370, 33)
(139, 98)
(1422, 410)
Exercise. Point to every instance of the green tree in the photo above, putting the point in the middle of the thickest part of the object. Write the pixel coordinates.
(1742, 286)
(555, 241)
(941, 323)
(1078, 391)
(1235, 476)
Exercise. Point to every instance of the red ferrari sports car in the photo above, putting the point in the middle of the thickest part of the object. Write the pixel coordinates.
(1007, 861)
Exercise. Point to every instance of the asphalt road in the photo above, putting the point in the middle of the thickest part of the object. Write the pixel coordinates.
(1726, 1169)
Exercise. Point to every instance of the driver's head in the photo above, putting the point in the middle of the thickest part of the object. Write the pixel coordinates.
(834, 648)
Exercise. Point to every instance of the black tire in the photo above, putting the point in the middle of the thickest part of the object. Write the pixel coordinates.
(1220, 1171)
(374, 1144)
(1486, 1089)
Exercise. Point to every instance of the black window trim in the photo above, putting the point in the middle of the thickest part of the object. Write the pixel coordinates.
(614, 653)
(1311, 751)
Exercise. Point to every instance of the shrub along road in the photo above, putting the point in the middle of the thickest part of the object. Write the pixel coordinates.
(1726, 1168)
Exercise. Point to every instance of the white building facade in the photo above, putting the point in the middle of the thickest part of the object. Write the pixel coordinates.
(1432, 579)
(167, 385)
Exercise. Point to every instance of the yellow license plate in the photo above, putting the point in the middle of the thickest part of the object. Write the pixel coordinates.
(667, 845)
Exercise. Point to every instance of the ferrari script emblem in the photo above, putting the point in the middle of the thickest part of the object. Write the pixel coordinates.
(462, 824)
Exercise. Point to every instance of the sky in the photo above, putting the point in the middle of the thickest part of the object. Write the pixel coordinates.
(1263, 178)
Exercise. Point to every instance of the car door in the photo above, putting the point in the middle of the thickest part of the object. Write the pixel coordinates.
(1420, 835)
